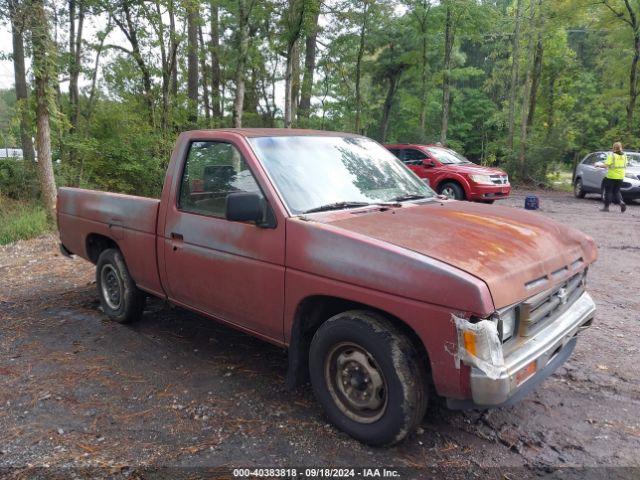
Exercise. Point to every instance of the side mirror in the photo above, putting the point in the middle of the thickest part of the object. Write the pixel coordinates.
(245, 207)
(428, 163)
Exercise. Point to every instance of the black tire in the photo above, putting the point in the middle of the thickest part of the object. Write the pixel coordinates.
(120, 298)
(489, 202)
(578, 189)
(451, 190)
(390, 357)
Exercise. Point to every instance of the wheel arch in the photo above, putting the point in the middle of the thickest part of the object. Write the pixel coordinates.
(458, 180)
(96, 243)
(312, 312)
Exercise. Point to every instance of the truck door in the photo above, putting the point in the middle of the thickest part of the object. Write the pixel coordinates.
(233, 271)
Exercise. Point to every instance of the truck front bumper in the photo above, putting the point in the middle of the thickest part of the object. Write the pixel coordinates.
(531, 361)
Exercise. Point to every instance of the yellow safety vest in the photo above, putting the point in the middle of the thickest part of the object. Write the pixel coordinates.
(617, 164)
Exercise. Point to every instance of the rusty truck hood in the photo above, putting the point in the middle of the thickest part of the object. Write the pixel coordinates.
(515, 252)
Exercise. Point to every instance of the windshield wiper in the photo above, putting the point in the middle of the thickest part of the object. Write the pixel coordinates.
(337, 206)
(404, 198)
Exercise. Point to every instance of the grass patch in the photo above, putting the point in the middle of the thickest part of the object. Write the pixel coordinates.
(561, 180)
(21, 220)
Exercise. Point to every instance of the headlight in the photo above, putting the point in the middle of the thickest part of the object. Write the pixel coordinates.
(508, 321)
(481, 179)
(632, 176)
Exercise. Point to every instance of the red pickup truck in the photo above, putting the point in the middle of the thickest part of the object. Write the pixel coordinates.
(452, 175)
(327, 245)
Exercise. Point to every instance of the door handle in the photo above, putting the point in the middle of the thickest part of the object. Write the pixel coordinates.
(176, 237)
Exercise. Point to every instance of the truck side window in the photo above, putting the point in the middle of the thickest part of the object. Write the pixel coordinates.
(212, 171)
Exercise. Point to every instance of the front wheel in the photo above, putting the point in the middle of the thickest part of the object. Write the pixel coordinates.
(578, 189)
(451, 190)
(368, 377)
(120, 298)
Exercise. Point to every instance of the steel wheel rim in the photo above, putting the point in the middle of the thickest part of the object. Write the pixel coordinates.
(449, 192)
(356, 382)
(111, 286)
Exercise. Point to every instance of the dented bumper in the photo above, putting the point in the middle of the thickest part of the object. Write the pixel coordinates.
(529, 361)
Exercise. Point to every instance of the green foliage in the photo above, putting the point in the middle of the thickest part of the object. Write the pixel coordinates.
(17, 179)
(20, 220)
(123, 139)
(121, 152)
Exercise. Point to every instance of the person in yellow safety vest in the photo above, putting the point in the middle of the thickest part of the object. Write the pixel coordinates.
(616, 163)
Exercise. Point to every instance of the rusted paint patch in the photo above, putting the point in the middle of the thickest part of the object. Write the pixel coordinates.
(505, 247)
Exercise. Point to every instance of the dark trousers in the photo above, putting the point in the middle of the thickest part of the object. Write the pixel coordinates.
(612, 192)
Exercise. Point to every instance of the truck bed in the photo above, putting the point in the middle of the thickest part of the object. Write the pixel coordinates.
(89, 216)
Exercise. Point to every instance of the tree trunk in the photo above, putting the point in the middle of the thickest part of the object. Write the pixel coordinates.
(306, 90)
(288, 75)
(515, 70)
(173, 39)
(166, 69)
(423, 85)
(96, 65)
(243, 48)
(42, 70)
(394, 80)
(363, 32)
(192, 62)
(526, 94)
(535, 81)
(75, 46)
(446, 80)
(422, 15)
(633, 80)
(22, 92)
(295, 79)
(205, 76)
(295, 17)
(214, 48)
(551, 104)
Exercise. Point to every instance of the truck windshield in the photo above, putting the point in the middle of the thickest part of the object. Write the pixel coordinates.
(328, 173)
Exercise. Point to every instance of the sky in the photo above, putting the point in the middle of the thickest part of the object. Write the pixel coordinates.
(6, 66)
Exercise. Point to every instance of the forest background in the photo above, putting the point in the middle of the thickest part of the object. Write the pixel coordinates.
(103, 87)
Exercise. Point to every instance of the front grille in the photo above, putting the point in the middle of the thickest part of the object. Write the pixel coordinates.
(537, 311)
(499, 179)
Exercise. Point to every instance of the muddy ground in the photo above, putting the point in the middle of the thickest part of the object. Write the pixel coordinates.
(178, 395)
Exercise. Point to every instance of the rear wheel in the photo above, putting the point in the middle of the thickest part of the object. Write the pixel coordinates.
(451, 190)
(368, 377)
(120, 298)
(578, 189)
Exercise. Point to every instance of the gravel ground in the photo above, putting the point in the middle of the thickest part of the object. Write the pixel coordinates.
(176, 395)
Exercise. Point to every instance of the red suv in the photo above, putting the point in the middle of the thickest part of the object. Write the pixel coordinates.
(451, 174)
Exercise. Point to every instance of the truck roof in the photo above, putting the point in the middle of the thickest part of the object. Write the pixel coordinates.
(277, 132)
